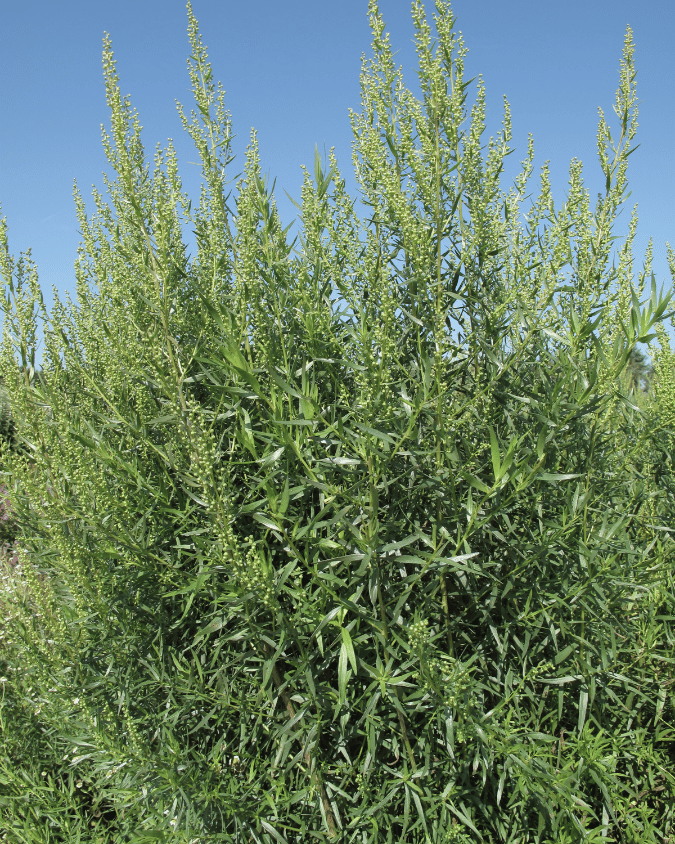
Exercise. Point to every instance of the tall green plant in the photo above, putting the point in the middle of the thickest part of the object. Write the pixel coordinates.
(376, 567)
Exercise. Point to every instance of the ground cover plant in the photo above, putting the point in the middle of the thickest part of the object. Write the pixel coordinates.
(363, 538)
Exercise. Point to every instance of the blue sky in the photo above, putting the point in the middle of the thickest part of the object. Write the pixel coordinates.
(291, 70)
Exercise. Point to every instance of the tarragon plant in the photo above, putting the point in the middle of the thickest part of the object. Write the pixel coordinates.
(360, 537)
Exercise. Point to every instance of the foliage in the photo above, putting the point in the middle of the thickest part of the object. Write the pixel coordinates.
(360, 541)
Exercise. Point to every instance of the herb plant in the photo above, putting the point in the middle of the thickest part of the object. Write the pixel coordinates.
(364, 537)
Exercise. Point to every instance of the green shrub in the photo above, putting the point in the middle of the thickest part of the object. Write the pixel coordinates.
(365, 541)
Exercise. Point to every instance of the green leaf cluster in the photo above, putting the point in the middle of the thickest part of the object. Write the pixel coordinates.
(362, 537)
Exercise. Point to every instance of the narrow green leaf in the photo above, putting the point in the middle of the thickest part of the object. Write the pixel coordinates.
(347, 643)
(583, 705)
(562, 655)
(267, 522)
(343, 673)
(272, 831)
(285, 498)
(475, 482)
(494, 449)
(211, 627)
(554, 478)
(271, 458)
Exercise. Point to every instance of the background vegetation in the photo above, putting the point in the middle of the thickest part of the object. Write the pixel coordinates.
(365, 538)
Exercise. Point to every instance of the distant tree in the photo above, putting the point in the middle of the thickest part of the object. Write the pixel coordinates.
(639, 371)
(6, 420)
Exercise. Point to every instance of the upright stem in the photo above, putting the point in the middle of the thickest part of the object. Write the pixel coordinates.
(439, 363)
(401, 718)
(383, 615)
(446, 613)
(312, 763)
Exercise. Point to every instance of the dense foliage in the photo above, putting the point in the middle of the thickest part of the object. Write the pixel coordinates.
(363, 540)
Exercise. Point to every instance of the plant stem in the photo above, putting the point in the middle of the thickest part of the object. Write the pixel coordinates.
(312, 763)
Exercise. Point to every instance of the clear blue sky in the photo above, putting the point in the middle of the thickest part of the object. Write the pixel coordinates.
(291, 70)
